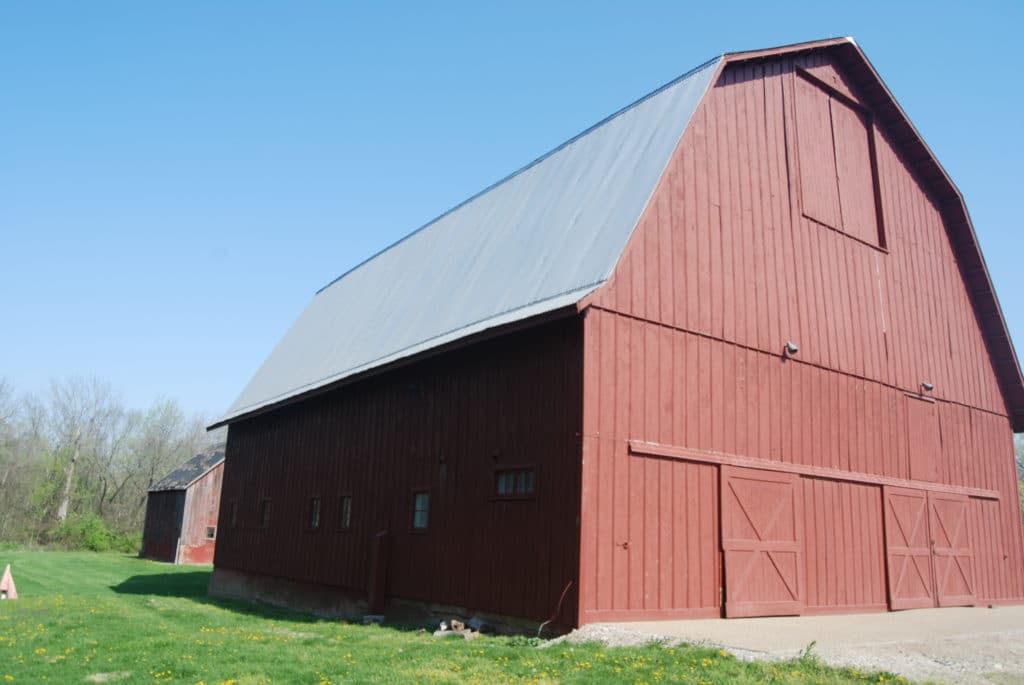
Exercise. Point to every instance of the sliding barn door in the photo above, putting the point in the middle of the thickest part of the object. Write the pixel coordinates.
(908, 549)
(953, 558)
(762, 542)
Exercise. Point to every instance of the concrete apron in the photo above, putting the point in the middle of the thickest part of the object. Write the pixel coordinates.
(785, 636)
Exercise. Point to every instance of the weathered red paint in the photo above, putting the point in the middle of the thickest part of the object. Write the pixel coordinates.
(202, 506)
(755, 237)
(177, 520)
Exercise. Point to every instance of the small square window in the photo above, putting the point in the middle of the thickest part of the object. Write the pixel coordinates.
(345, 512)
(265, 513)
(211, 532)
(421, 510)
(314, 513)
(513, 483)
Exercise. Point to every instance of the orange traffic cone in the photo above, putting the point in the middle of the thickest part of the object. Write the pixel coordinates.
(7, 589)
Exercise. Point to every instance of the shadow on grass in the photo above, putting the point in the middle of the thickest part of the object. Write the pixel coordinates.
(192, 586)
(189, 585)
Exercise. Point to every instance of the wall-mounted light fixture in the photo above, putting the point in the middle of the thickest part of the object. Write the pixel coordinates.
(928, 387)
(791, 348)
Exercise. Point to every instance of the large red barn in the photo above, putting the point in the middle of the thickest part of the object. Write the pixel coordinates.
(732, 351)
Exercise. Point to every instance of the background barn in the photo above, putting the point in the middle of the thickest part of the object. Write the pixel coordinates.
(732, 351)
(182, 510)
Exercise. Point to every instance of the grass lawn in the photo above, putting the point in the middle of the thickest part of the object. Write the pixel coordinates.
(86, 617)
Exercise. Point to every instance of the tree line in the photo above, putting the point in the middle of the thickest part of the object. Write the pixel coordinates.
(76, 461)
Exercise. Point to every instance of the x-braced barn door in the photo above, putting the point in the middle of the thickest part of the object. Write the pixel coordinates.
(762, 542)
(929, 557)
(907, 549)
(952, 556)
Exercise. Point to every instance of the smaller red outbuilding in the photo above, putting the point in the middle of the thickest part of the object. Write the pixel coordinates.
(181, 511)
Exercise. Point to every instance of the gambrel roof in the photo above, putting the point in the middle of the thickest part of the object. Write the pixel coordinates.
(547, 236)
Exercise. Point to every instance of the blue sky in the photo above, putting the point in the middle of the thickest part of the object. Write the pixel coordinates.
(178, 179)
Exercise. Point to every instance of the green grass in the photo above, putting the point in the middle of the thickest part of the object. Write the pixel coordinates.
(126, 620)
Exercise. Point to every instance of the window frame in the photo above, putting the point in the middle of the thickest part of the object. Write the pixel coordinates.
(515, 469)
(412, 520)
(343, 524)
(314, 513)
(211, 533)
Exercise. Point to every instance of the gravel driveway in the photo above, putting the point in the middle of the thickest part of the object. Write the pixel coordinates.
(956, 645)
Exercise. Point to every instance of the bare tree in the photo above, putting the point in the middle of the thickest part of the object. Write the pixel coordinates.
(80, 451)
(80, 411)
(22, 467)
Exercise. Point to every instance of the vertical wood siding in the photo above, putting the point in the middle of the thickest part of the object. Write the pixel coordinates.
(202, 507)
(844, 555)
(164, 513)
(442, 425)
(683, 347)
(723, 250)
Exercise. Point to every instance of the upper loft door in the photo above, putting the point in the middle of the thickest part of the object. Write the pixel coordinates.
(762, 541)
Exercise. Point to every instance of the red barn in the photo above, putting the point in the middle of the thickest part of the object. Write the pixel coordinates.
(732, 351)
(181, 511)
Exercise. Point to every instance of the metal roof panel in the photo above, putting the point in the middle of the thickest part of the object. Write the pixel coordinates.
(541, 239)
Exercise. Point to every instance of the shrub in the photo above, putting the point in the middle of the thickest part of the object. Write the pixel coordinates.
(90, 532)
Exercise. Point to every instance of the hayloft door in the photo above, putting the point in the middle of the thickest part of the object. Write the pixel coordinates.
(952, 555)
(762, 542)
(907, 549)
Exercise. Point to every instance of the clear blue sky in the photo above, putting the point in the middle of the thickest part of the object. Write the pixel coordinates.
(178, 179)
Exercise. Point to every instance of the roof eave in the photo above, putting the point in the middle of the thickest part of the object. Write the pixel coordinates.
(486, 334)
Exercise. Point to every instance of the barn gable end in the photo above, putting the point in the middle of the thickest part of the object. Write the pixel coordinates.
(794, 210)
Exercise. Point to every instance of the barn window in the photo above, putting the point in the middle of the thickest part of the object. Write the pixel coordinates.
(420, 510)
(513, 483)
(345, 512)
(211, 532)
(265, 513)
(837, 169)
(314, 513)
(233, 512)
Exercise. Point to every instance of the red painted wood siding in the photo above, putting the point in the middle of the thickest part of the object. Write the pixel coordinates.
(844, 538)
(444, 425)
(202, 507)
(723, 250)
(683, 346)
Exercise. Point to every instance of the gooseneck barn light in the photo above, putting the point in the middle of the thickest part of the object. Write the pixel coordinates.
(791, 348)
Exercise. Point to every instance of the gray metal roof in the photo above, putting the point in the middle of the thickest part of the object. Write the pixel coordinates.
(191, 471)
(539, 240)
